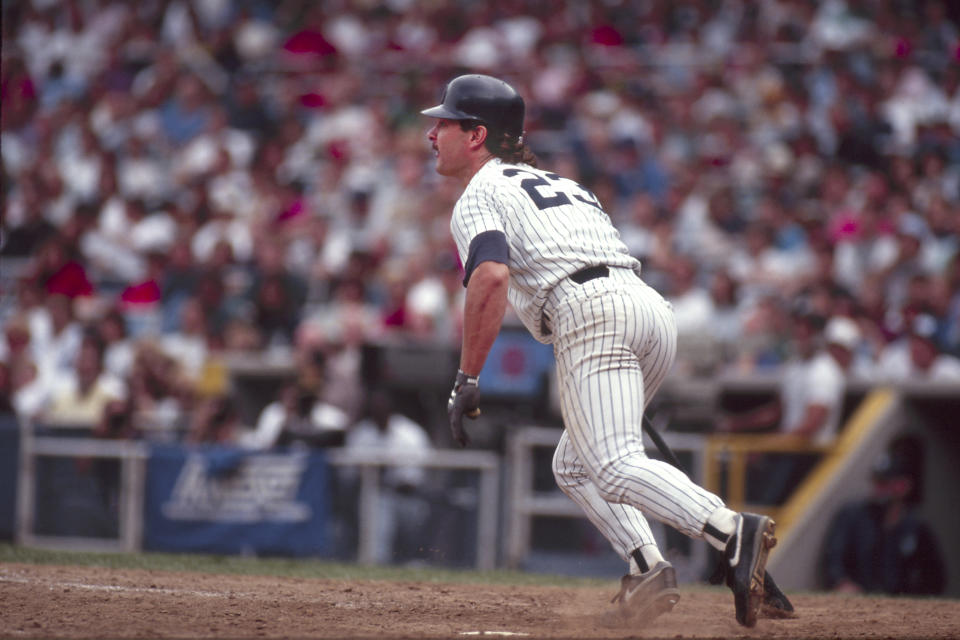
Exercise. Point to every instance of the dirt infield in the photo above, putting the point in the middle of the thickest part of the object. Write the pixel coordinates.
(80, 602)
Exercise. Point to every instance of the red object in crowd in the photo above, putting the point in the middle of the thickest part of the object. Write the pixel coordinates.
(903, 48)
(70, 280)
(140, 294)
(845, 226)
(294, 210)
(606, 35)
(312, 100)
(309, 41)
(19, 87)
(396, 318)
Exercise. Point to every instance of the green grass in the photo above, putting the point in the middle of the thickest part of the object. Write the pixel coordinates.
(281, 567)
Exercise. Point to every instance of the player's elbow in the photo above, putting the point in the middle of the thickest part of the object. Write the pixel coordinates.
(494, 276)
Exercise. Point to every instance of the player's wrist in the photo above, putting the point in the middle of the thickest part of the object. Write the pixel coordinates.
(464, 378)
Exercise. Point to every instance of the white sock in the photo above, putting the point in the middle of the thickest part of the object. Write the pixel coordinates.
(651, 555)
(722, 521)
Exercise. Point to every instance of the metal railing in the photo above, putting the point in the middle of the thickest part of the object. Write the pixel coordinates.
(133, 454)
(525, 503)
(726, 458)
(488, 500)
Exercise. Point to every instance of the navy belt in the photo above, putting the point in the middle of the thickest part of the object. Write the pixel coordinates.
(590, 273)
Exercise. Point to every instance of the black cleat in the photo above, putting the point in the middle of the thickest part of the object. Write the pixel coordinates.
(776, 604)
(644, 597)
(746, 555)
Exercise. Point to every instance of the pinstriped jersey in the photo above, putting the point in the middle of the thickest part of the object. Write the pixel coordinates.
(553, 226)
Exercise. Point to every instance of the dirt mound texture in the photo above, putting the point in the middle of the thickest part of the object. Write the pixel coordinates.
(85, 602)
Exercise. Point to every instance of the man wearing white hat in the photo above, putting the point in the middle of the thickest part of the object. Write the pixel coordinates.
(809, 406)
(823, 385)
(811, 396)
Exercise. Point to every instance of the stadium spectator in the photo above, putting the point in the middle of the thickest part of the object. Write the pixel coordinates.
(805, 332)
(403, 509)
(692, 304)
(810, 400)
(16, 341)
(119, 349)
(882, 544)
(29, 394)
(214, 420)
(298, 416)
(729, 309)
(774, 147)
(277, 293)
(917, 356)
(58, 344)
(82, 395)
(28, 229)
(57, 271)
(188, 345)
(160, 396)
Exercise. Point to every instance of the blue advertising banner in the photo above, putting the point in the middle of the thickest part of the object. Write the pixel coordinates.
(218, 499)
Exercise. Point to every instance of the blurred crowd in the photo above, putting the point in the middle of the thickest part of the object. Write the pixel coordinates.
(184, 180)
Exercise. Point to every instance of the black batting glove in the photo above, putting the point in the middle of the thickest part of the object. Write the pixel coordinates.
(464, 401)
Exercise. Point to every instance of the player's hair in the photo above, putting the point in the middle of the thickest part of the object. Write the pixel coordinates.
(502, 145)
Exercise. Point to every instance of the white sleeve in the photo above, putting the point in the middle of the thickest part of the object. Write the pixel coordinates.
(945, 368)
(31, 400)
(269, 425)
(893, 365)
(825, 384)
(326, 417)
(475, 212)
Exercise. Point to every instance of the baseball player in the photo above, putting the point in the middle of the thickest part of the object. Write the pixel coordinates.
(543, 243)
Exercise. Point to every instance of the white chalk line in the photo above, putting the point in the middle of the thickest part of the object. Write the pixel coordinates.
(6, 576)
(115, 588)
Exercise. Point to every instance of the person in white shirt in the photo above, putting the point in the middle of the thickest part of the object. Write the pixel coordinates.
(29, 395)
(56, 351)
(817, 398)
(297, 417)
(188, 345)
(810, 402)
(918, 357)
(805, 330)
(81, 396)
(403, 509)
(693, 307)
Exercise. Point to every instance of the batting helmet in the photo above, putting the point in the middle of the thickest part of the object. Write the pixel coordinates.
(477, 97)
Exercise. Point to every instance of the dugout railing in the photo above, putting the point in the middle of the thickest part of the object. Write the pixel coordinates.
(132, 457)
(73, 442)
(488, 496)
(525, 502)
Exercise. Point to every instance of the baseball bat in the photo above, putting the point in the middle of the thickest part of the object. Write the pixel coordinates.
(661, 444)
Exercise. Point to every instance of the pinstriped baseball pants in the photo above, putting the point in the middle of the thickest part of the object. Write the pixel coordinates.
(615, 340)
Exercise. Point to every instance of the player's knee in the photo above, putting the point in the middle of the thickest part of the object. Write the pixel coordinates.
(610, 479)
(609, 489)
(565, 480)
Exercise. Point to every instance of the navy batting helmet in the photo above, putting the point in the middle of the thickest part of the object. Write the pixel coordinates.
(477, 97)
